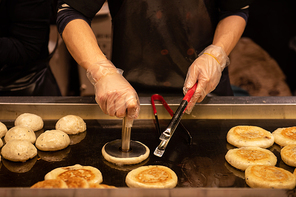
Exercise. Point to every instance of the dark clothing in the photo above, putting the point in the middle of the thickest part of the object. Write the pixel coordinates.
(24, 56)
(155, 41)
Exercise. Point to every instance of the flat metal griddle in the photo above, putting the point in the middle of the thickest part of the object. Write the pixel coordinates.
(201, 164)
(200, 167)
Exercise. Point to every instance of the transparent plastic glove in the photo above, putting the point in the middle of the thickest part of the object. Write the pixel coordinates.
(113, 92)
(206, 71)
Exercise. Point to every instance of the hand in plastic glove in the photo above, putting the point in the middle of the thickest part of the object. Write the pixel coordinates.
(206, 71)
(114, 94)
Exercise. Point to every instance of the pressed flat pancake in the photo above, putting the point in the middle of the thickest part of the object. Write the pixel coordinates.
(285, 136)
(89, 173)
(102, 186)
(53, 183)
(153, 176)
(243, 157)
(240, 136)
(126, 160)
(288, 155)
(261, 176)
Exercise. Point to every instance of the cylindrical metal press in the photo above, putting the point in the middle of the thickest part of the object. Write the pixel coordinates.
(125, 148)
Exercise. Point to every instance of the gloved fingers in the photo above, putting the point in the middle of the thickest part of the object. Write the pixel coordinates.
(191, 78)
(128, 105)
(133, 110)
(198, 96)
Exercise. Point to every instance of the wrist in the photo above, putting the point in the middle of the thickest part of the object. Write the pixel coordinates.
(218, 54)
(101, 69)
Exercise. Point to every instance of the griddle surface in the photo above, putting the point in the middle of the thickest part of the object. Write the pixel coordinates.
(201, 164)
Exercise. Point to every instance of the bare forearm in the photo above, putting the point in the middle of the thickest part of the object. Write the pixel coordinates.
(228, 32)
(82, 44)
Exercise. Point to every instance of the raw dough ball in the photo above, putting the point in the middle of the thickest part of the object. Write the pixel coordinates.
(32, 121)
(71, 124)
(52, 140)
(3, 129)
(18, 150)
(20, 133)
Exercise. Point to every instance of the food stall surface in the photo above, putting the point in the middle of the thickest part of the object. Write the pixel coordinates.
(201, 167)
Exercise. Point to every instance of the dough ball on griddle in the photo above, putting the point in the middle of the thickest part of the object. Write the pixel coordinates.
(52, 140)
(20, 133)
(32, 121)
(126, 160)
(71, 124)
(3, 129)
(18, 150)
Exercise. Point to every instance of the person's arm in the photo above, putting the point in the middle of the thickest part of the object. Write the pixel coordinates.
(228, 32)
(82, 44)
(207, 69)
(113, 92)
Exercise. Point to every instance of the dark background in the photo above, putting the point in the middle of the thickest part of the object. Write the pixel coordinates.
(272, 25)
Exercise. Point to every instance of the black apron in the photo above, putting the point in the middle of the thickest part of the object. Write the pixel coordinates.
(155, 42)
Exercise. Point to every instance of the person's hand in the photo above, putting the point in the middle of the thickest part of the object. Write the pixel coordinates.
(206, 71)
(113, 92)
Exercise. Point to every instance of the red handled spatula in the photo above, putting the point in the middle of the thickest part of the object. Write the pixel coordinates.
(168, 133)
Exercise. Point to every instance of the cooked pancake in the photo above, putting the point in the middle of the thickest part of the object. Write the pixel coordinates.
(53, 183)
(285, 136)
(243, 157)
(74, 182)
(126, 161)
(71, 124)
(262, 176)
(153, 176)
(102, 186)
(20, 133)
(3, 129)
(52, 140)
(30, 120)
(89, 173)
(240, 136)
(18, 150)
(288, 155)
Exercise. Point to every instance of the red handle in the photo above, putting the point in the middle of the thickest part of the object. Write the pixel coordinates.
(190, 93)
(158, 97)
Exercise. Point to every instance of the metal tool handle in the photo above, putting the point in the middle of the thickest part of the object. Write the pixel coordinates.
(125, 136)
(179, 113)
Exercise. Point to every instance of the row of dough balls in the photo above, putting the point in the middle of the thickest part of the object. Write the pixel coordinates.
(20, 140)
(258, 162)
